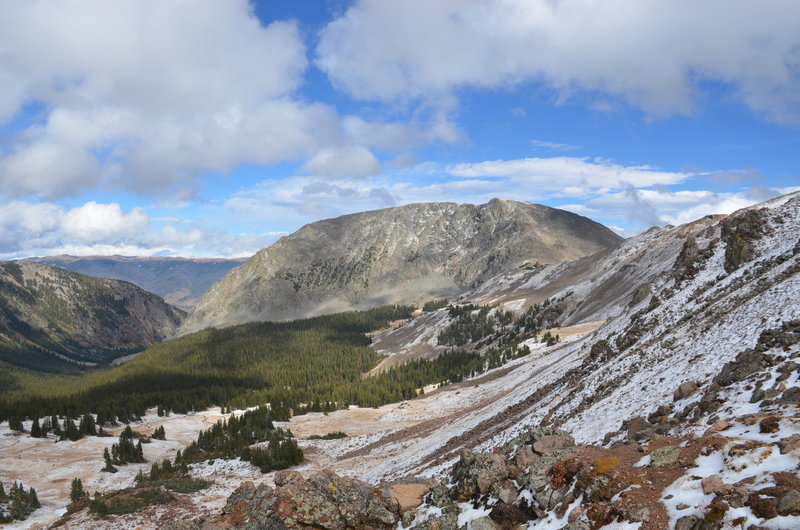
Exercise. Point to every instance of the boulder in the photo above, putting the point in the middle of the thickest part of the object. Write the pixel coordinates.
(746, 363)
(792, 443)
(688, 522)
(789, 503)
(791, 396)
(712, 484)
(407, 495)
(554, 443)
(769, 424)
(664, 456)
(685, 390)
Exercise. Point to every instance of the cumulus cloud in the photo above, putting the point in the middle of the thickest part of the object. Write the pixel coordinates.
(93, 223)
(147, 95)
(28, 229)
(345, 161)
(655, 54)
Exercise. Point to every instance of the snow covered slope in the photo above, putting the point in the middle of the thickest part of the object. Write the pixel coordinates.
(679, 303)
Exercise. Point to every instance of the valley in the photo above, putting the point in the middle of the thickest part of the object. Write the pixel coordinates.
(580, 394)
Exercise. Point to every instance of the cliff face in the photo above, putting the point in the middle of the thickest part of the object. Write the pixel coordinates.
(51, 318)
(398, 255)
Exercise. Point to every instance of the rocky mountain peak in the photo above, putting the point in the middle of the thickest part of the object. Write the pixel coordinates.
(405, 254)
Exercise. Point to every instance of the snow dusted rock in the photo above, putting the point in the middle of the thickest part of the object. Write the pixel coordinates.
(685, 390)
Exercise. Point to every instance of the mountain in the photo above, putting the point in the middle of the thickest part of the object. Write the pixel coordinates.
(670, 402)
(406, 254)
(180, 281)
(52, 319)
(691, 321)
(653, 384)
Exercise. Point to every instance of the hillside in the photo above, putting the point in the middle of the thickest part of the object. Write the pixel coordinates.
(669, 400)
(406, 254)
(179, 281)
(52, 319)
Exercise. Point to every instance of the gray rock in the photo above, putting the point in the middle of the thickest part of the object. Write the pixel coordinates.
(789, 503)
(554, 443)
(685, 390)
(688, 522)
(484, 523)
(664, 456)
(791, 396)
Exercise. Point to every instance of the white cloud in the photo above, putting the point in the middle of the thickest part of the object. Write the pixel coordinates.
(557, 173)
(345, 161)
(646, 208)
(29, 229)
(654, 54)
(94, 223)
(553, 146)
(147, 95)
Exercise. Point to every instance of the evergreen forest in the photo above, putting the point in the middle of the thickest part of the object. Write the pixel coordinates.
(315, 364)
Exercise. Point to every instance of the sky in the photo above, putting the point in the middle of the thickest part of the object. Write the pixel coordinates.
(211, 128)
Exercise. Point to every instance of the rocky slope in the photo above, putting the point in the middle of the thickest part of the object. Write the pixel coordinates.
(681, 411)
(180, 281)
(671, 401)
(397, 255)
(51, 319)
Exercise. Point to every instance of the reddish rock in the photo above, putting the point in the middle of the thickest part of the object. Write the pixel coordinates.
(769, 424)
(712, 484)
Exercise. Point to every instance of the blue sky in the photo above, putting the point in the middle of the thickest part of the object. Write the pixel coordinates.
(150, 127)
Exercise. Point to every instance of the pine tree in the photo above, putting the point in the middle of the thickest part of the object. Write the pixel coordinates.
(159, 434)
(71, 431)
(56, 426)
(76, 491)
(33, 499)
(109, 464)
(36, 429)
(46, 426)
(87, 425)
(2, 492)
(15, 424)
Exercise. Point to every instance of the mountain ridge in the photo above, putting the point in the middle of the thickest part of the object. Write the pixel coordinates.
(58, 318)
(404, 254)
(180, 281)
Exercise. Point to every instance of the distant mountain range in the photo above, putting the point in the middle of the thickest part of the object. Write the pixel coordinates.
(180, 281)
(52, 319)
(406, 254)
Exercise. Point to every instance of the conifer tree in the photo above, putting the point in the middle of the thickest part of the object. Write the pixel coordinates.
(109, 464)
(76, 491)
(2, 492)
(46, 426)
(56, 426)
(71, 431)
(36, 430)
(33, 499)
(87, 425)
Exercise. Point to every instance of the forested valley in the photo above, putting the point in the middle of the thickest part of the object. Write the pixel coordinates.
(315, 364)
